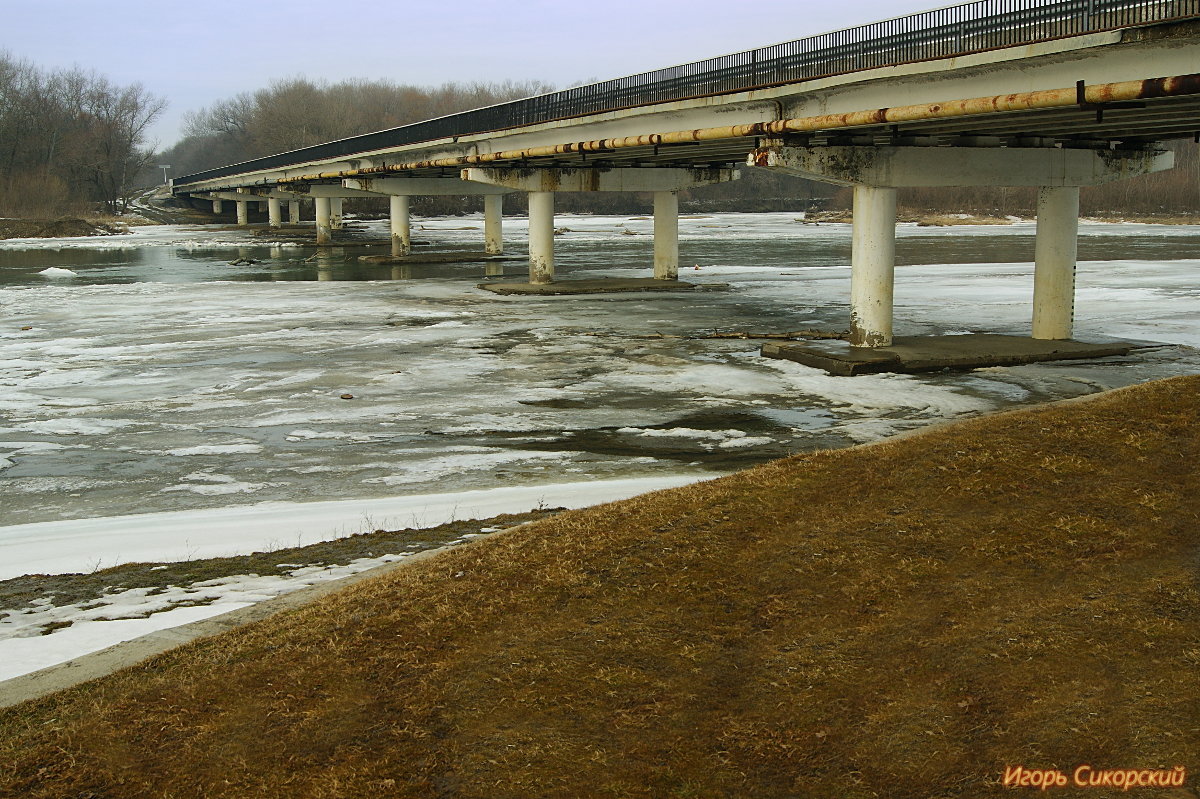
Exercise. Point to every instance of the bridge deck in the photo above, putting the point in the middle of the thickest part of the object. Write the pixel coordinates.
(951, 32)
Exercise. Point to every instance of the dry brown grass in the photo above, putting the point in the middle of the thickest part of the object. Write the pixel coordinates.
(947, 220)
(1152, 219)
(901, 620)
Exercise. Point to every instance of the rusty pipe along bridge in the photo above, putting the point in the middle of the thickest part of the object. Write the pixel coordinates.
(1054, 94)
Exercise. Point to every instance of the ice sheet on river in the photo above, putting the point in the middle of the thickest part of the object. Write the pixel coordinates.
(164, 379)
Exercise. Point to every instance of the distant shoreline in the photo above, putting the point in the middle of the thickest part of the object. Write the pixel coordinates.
(89, 226)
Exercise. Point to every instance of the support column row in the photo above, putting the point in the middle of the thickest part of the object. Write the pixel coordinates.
(876, 171)
(873, 258)
(540, 185)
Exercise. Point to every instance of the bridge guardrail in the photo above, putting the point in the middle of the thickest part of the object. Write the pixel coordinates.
(940, 33)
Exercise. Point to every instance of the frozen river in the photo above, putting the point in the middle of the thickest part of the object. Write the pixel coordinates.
(160, 378)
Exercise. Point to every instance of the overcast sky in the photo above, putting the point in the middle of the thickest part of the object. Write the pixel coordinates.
(201, 51)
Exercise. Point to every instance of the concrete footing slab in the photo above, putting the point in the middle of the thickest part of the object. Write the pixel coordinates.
(934, 353)
(439, 258)
(600, 286)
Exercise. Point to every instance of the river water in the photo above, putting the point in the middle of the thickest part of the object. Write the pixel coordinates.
(158, 377)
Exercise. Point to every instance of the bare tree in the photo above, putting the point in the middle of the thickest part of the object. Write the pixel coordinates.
(69, 137)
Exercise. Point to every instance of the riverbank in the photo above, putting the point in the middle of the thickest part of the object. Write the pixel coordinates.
(905, 619)
(67, 227)
(936, 218)
(78, 227)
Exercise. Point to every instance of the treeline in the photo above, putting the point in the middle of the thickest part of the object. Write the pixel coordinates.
(70, 140)
(294, 113)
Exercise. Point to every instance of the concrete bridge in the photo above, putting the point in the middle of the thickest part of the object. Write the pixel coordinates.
(1053, 94)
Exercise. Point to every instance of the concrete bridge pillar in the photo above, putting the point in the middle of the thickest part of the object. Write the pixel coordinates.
(401, 240)
(666, 235)
(493, 224)
(660, 181)
(541, 237)
(335, 213)
(243, 212)
(217, 206)
(274, 212)
(872, 266)
(293, 211)
(324, 224)
(1054, 262)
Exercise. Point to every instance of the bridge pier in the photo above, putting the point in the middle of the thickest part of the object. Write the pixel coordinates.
(274, 212)
(872, 266)
(541, 237)
(217, 206)
(401, 238)
(294, 211)
(493, 224)
(335, 213)
(876, 171)
(243, 205)
(666, 235)
(1054, 262)
(324, 223)
(540, 184)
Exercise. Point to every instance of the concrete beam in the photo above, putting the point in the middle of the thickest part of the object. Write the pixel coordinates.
(241, 196)
(231, 196)
(334, 191)
(422, 187)
(278, 194)
(961, 166)
(623, 179)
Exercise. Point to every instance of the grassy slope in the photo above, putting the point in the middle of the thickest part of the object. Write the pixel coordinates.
(898, 620)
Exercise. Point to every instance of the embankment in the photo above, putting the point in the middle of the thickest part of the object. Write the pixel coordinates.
(907, 619)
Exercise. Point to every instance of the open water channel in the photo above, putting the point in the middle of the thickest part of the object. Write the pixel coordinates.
(158, 377)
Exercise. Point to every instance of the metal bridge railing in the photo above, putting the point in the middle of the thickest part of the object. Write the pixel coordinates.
(941, 33)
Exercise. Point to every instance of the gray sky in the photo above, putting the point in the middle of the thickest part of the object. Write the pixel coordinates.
(201, 51)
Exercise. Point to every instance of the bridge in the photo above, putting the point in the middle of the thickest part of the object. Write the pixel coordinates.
(1052, 94)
